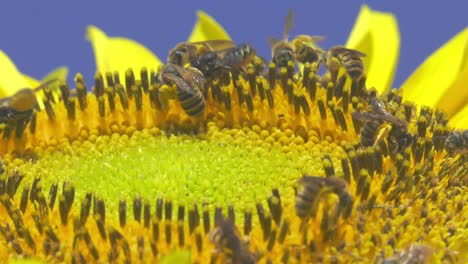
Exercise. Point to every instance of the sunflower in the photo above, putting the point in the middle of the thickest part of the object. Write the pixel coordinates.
(272, 171)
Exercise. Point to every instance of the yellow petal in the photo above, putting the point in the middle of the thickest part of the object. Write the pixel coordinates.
(460, 120)
(433, 83)
(119, 54)
(32, 82)
(11, 80)
(376, 34)
(456, 97)
(206, 28)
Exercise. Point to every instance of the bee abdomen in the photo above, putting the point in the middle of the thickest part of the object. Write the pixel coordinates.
(368, 133)
(192, 101)
(353, 65)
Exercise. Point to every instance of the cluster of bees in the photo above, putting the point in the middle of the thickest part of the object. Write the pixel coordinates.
(192, 66)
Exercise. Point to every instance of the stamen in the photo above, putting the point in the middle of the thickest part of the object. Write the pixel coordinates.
(137, 208)
(122, 213)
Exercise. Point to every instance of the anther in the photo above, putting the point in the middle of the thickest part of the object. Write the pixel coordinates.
(206, 218)
(284, 229)
(345, 102)
(71, 108)
(247, 222)
(65, 91)
(305, 74)
(24, 198)
(181, 233)
(29, 240)
(346, 169)
(418, 150)
(85, 208)
(122, 213)
(37, 222)
(340, 82)
(35, 189)
(312, 86)
(181, 213)
(168, 210)
(248, 101)
(271, 240)
(137, 208)
(136, 91)
(146, 214)
(198, 242)
(252, 82)
(270, 98)
(69, 194)
(98, 84)
(193, 218)
(110, 80)
(155, 229)
(159, 208)
(100, 225)
(272, 75)
(100, 209)
(49, 110)
(63, 210)
(129, 82)
(218, 216)
(110, 98)
(330, 92)
(322, 110)
(144, 79)
(422, 126)
(141, 247)
(101, 105)
(328, 166)
(261, 217)
(43, 209)
(266, 228)
(32, 124)
(341, 118)
(168, 231)
(226, 97)
(13, 182)
(275, 209)
(260, 88)
(81, 91)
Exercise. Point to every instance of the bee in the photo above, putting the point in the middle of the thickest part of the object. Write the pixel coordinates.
(299, 49)
(350, 59)
(189, 84)
(457, 142)
(311, 188)
(185, 52)
(307, 195)
(20, 106)
(227, 240)
(380, 124)
(212, 63)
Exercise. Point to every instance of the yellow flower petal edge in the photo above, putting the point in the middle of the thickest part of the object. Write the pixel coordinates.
(460, 120)
(119, 54)
(11, 80)
(432, 83)
(377, 35)
(455, 97)
(206, 28)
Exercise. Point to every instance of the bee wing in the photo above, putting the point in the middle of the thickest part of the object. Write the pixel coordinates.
(45, 84)
(307, 39)
(364, 116)
(273, 41)
(395, 120)
(289, 24)
(213, 45)
(192, 75)
(342, 49)
(179, 82)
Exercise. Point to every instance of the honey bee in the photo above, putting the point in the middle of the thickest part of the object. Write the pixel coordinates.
(350, 59)
(380, 124)
(227, 240)
(185, 52)
(311, 188)
(189, 84)
(299, 49)
(457, 142)
(20, 106)
(212, 63)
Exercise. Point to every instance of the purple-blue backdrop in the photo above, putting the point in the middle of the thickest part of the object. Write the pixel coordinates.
(41, 35)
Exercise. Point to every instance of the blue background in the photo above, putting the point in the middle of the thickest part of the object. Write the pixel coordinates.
(41, 35)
